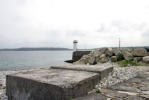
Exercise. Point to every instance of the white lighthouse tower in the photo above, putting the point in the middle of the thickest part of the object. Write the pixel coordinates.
(75, 42)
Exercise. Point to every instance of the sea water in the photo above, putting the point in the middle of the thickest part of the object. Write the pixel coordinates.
(16, 60)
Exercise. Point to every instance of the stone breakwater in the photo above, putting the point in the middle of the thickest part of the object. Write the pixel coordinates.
(105, 55)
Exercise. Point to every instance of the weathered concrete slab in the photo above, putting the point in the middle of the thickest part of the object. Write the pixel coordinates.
(53, 84)
(103, 71)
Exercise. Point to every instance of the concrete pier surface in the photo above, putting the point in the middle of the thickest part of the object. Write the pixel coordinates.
(103, 71)
(56, 83)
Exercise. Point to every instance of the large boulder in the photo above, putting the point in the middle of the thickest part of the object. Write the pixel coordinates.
(93, 56)
(113, 58)
(103, 59)
(137, 59)
(83, 60)
(90, 58)
(146, 59)
(95, 53)
(140, 52)
(107, 51)
(127, 55)
(103, 50)
(116, 52)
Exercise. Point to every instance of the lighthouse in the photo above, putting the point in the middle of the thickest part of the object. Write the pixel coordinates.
(75, 42)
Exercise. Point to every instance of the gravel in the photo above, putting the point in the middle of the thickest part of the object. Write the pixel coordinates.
(120, 74)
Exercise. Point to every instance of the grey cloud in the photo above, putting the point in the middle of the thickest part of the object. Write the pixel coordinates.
(107, 28)
(19, 27)
(52, 37)
(139, 27)
(18, 18)
(75, 33)
(146, 33)
(117, 25)
(102, 28)
(121, 26)
(52, 32)
(21, 2)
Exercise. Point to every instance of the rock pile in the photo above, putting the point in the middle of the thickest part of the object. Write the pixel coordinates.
(112, 55)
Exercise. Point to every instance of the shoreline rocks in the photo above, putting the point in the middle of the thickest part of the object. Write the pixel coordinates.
(146, 59)
(105, 55)
(140, 52)
(127, 55)
(113, 59)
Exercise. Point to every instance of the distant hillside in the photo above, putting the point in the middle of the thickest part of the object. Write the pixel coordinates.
(36, 49)
(146, 47)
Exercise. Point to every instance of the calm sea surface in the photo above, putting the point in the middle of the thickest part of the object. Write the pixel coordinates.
(15, 60)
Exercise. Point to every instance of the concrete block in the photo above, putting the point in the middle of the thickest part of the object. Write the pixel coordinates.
(53, 84)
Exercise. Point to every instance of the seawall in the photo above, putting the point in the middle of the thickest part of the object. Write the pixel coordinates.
(78, 54)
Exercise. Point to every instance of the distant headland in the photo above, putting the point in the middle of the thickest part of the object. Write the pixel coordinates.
(36, 49)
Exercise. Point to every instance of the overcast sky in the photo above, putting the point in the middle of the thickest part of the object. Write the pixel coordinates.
(56, 23)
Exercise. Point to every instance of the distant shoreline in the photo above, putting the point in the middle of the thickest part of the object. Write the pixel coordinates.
(37, 49)
(61, 49)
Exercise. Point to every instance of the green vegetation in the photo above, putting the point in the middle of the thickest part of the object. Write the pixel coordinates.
(126, 63)
(120, 57)
(143, 64)
(98, 91)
